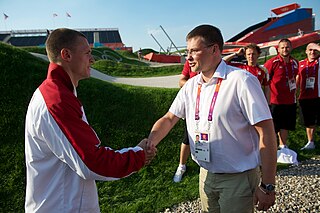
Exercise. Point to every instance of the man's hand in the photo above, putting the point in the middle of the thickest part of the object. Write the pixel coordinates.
(264, 200)
(240, 52)
(149, 151)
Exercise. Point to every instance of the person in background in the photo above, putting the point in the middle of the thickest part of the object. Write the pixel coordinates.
(140, 54)
(300, 32)
(228, 106)
(252, 53)
(185, 146)
(283, 70)
(63, 154)
(309, 96)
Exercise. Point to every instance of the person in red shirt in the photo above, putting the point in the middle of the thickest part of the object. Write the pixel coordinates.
(309, 96)
(283, 70)
(251, 52)
(186, 74)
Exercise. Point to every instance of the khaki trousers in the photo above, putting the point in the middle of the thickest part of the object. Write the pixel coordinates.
(228, 193)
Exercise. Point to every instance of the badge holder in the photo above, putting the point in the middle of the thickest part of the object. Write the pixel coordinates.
(310, 82)
(292, 84)
(202, 149)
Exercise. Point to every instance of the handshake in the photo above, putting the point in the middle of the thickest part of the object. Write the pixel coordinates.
(149, 149)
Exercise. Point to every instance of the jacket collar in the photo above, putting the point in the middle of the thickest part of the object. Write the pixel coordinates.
(56, 72)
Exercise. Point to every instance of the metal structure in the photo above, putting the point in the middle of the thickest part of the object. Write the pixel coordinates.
(171, 44)
(158, 43)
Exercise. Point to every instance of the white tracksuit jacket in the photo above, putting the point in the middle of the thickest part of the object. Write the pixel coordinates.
(63, 153)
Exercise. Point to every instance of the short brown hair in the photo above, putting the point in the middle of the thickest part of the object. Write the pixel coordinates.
(253, 46)
(285, 40)
(59, 39)
(209, 33)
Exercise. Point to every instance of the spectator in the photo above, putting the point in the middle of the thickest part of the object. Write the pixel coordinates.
(309, 96)
(283, 70)
(185, 145)
(228, 106)
(300, 32)
(63, 154)
(251, 52)
(140, 54)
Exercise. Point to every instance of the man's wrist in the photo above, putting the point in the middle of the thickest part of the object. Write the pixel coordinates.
(267, 187)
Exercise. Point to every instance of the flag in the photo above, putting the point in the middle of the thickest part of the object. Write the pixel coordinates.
(54, 15)
(68, 15)
(5, 16)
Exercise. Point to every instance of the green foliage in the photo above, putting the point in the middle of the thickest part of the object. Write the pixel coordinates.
(122, 116)
(100, 53)
(146, 51)
(105, 53)
(299, 53)
(20, 75)
(123, 69)
(127, 54)
(40, 50)
(126, 119)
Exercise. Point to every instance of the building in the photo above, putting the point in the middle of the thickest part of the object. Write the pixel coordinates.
(97, 37)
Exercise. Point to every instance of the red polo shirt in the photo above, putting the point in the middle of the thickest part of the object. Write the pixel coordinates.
(279, 73)
(257, 71)
(187, 71)
(308, 69)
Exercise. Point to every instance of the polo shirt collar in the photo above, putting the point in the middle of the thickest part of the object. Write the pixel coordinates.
(219, 73)
(282, 60)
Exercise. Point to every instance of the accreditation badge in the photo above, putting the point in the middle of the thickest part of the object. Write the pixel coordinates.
(310, 82)
(202, 148)
(292, 84)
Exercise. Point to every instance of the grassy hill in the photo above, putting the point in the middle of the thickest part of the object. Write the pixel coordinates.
(122, 63)
(121, 115)
(20, 74)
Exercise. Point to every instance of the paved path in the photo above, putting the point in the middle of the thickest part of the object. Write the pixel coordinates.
(163, 81)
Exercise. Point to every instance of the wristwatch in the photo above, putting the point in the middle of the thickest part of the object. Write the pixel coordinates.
(268, 187)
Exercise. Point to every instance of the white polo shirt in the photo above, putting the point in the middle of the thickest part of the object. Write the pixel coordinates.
(234, 142)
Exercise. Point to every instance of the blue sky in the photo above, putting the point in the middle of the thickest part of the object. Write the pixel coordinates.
(136, 19)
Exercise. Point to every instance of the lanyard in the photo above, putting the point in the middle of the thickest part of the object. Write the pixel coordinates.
(287, 72)
(213, 102)
(307, 69)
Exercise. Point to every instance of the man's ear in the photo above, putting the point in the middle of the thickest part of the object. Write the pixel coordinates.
(65, 54)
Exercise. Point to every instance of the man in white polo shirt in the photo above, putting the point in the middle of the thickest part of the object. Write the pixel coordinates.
(226, 107)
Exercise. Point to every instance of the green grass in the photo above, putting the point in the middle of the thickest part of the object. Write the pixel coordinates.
(20, 74)
(130, 70)
(122, 63)
(122, 116)
(152, 188)
(101, 53)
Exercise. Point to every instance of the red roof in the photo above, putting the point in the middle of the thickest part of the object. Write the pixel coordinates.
(286, 8)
